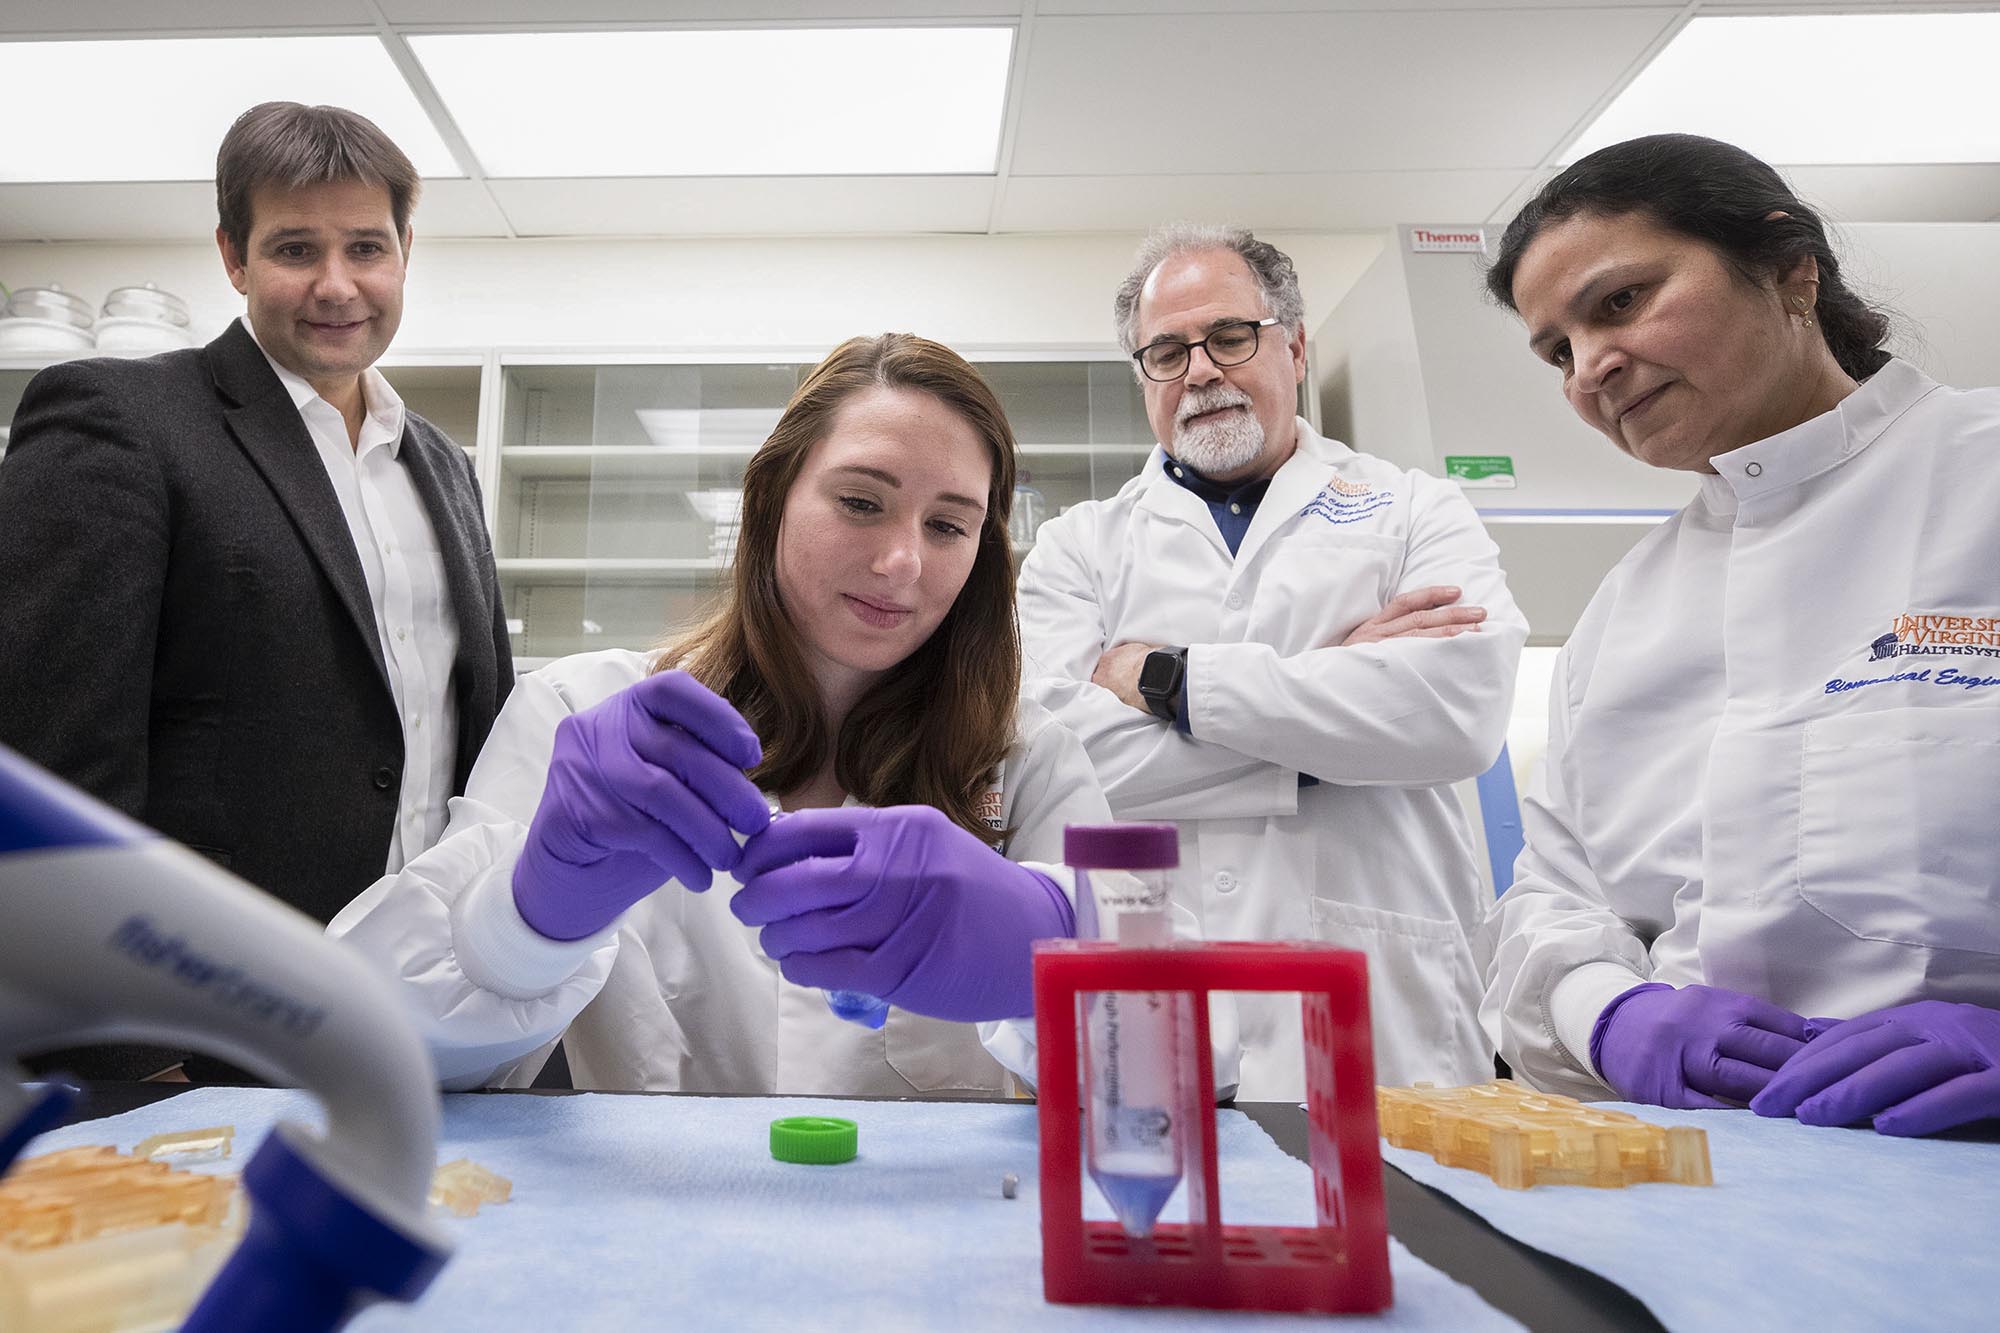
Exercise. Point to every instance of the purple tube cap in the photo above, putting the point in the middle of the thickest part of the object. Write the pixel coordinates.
(1122, 846)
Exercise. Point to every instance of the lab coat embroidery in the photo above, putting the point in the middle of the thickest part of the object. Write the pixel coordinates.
(1347, 501)
(1934, 634)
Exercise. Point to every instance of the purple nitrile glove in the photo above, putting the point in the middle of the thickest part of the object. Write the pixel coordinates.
(1698, 1046)
(900, 903)
(1914, 1069)
(642, 788)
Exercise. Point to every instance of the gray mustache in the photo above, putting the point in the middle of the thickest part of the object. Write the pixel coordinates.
(1194, 404)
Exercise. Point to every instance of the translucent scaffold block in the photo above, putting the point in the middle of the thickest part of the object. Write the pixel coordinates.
(188, 1146)
(93, 1239)
(463, 1185)
(1521, 1137)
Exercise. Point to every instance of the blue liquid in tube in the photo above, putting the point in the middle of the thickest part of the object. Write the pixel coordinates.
(858, 1007)
(1132, 1076)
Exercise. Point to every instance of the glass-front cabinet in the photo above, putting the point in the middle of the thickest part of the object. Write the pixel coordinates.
(613, 486)
(618, 489)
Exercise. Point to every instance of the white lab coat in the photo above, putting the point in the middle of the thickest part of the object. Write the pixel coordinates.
(1376, 857)
(677, 995)
(1751, 782)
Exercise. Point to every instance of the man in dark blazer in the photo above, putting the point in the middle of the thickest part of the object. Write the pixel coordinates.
(216, 617)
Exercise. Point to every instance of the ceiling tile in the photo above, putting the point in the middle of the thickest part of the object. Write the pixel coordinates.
(457, 208)
(1383, 91)
(650, 13)
(746, 205)
(1322, 6)
(1324, 201)
(1902, 192)
(101, 211)
(185, 211)
(50, 18)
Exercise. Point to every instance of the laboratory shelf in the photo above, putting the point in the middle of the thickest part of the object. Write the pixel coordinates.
(599, 460)
(608, 570)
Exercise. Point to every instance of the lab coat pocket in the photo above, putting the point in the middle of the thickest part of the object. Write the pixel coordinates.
(1895, 838)
(933, 1055)
(1423, 992)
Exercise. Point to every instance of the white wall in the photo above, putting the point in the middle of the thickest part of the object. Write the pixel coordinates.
(806, 294)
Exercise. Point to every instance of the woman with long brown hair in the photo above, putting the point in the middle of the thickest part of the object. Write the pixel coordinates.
(860, 672)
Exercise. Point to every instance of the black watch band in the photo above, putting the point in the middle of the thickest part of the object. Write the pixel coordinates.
(1160, 679)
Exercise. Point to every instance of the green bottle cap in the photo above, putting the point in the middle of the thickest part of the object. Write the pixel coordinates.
(818, 1140)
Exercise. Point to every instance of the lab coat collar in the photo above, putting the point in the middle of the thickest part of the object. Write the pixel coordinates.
(1168, 499)
(1293, 486)
(1820, 444)
(1303, 476)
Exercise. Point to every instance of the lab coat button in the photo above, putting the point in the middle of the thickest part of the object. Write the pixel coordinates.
(1225, 883)
(385, 778)
(1234, 601)
(1754, 469)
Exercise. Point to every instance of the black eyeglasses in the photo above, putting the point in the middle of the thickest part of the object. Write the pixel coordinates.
(1230, 345)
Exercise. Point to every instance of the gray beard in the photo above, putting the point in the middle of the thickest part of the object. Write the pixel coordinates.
(1221, 447)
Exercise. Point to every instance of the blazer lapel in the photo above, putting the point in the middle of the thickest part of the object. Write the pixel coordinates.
(268, 428)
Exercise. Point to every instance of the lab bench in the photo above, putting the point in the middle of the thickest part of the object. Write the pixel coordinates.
(1514, 1279)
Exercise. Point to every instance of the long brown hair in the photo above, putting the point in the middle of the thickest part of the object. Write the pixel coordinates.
(936, 726)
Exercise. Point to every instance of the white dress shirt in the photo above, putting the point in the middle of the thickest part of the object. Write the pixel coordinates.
(406, 587)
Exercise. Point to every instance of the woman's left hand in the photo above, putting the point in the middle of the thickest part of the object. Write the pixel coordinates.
(900, 903)
(1914, 1069)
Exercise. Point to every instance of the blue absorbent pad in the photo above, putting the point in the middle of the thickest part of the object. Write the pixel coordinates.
(1804, 1228)
(669, 1212)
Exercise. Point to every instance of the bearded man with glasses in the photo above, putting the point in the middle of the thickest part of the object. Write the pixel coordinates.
(1289, 648)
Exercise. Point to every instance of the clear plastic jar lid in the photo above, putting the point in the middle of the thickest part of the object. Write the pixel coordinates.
(147, 302)
(50, 302)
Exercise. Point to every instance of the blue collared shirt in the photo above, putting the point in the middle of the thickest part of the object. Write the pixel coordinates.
(1231, 509)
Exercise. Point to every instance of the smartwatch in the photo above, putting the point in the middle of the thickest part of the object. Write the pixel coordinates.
(1160, 681)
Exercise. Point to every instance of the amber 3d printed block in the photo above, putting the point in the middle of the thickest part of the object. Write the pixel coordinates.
(93, 1239)
(461, 1186)
(1520, 1137)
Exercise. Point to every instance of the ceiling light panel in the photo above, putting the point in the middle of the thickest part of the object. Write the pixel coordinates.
(758, 102)
(156, 110)
(1820, 89)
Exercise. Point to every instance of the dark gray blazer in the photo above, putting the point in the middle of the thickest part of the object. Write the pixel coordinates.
(185, 630)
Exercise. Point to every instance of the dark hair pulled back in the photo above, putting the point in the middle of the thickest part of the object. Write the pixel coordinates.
(1715, 193)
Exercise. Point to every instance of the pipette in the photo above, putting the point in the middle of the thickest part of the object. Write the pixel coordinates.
(853, 1005)
(1132, 1053)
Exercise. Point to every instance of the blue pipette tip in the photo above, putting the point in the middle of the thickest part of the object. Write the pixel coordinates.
(858, 1007)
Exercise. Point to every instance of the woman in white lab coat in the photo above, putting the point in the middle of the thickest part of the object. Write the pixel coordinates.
(1769, 799)
(861, 670)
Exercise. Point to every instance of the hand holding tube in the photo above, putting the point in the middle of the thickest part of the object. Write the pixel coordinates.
(1911, 1070)
(1698, 1046)
(900, 903)
(643, 788)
